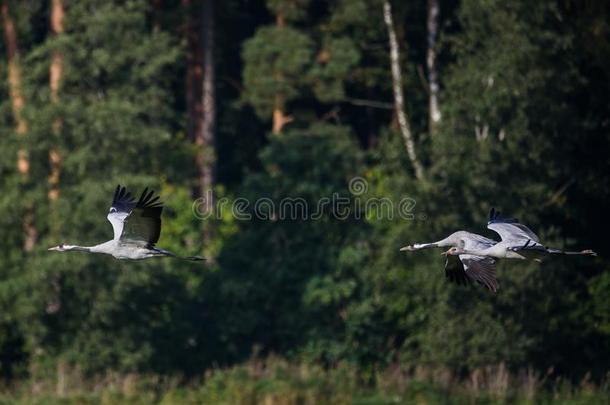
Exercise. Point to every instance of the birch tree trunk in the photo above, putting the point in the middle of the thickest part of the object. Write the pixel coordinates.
(55, 74)
(403, 122)
(434, 113)
(17, 102)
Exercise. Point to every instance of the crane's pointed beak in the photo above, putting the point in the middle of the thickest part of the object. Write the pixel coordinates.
(406, 248)
(54, 248)
(445, 253)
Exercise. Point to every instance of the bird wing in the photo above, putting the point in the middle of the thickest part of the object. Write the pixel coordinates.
(122, 205)
(469, 268)
(509, 228)
(476, 241)
(480, 269)
(143, 224)
(454, 270)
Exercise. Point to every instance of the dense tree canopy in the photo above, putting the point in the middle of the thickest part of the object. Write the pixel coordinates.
(305, 105)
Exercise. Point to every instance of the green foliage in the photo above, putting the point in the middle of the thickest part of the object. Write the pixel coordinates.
(275, 253)
(328, 75)
(291, 10)
(275, 61)
(524, 97)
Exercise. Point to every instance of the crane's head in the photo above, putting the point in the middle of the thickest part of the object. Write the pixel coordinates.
(454, 251)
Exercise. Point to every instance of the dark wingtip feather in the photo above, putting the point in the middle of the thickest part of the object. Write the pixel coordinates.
(146, 200)
(122, 199)
(496, 217)
(141, 198)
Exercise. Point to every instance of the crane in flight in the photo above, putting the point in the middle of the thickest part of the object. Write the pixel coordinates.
(136, 225)
(465, 268)
(518, 242)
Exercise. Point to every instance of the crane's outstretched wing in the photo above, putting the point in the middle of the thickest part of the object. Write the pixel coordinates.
(122, 205)
(143, 224)
(454, 271)
(469, 268)
(481, 269)
(510, 228)
(475, 241)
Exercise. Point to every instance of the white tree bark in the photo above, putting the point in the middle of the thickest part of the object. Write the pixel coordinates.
(434, 111)
(398, 95)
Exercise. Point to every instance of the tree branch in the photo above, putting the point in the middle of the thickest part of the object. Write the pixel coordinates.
(369, 103)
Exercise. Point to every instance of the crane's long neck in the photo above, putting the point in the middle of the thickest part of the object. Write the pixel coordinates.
(106, 247)
(76, 248)
(418, 246)
(441, 243)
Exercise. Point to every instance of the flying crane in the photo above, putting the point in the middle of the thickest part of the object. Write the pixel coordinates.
(136, 226)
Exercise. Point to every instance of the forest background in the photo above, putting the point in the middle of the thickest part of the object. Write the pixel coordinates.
(454, 106)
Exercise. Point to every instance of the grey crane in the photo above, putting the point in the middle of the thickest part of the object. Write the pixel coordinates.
(466, 268)
(518, 242)
(136, 225)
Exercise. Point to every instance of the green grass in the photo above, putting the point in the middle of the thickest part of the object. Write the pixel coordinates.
(277, 382)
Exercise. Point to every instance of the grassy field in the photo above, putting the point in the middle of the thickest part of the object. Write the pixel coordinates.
(278, 382)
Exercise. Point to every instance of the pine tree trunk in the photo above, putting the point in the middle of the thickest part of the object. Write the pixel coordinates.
(14, 82)
(279, 117)
(157, 6)
(18, 101)
(194, 73)
(55, 77)
(434, 113)
(200, 97)
(194, 82)
(55, 74)
(403, 122)
(206, 144)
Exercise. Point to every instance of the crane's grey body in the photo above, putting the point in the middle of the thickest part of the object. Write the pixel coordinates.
(469, 267)
(136, 227)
